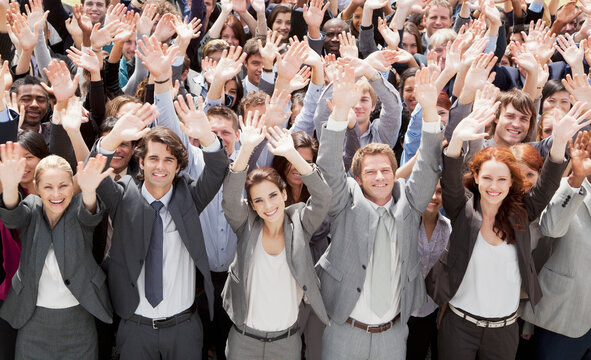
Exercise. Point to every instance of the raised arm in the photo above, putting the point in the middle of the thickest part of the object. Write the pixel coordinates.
(89, 177)
(12, 168)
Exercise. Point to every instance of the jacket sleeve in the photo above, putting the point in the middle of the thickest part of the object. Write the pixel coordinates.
(236, 208)
(453, 191)
(540, 194)
(330, 162)
(388, 125)
(557, 216)
(20, 216)
(216, 165)
(317, 205)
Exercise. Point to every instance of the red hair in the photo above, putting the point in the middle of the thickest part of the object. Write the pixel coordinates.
(528, 155)
(512, 206)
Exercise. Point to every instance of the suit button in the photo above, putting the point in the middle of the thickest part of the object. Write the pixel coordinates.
(363, 267)
(67, 282)
(141, 261)
(305, 288)
(358, 290)
(132, 285)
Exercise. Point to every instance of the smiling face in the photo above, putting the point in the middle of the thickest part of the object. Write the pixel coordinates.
(34, 99)
(331, 30)
(229, 36)
(282, 24)
(254, 68)
(268, 201)
(377, 178)
(363, 108)
(160, 167)
(494, 181)
(435, 203)
(223, 128)
(528, 174)
(410, 43)
(292, 176)
(560, 99)
(408, 94)
(512, 126)
(96, 10)
(437, 18)
(55, 188)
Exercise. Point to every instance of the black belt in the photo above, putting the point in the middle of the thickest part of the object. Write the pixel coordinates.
(162, 323)
(293, 330)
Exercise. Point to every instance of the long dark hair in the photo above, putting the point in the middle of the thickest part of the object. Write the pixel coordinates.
(300, 140)
(512, 206)
(34, 143)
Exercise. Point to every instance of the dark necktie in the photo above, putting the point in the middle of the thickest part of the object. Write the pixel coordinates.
(155, 259)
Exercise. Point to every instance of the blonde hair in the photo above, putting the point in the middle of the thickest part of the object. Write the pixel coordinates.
(441, 37)
(363, 86)
(52, 162)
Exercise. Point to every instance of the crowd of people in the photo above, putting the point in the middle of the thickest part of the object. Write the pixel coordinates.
(284, 179)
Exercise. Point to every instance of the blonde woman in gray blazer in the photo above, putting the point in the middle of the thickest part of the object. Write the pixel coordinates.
(273, 269)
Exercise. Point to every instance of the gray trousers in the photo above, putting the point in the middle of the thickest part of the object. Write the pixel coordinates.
(348, 342)
(179, 342)
(459, 339)
(243, 347)
(312, 328)
(58, 334)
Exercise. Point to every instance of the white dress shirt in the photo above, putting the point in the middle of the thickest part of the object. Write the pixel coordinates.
(52, 292)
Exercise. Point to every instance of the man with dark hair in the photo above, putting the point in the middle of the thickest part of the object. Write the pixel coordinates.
(157, 262)
(31, 95)
(253, 65)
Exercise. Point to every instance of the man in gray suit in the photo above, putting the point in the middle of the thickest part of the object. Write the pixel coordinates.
(370, 274)
(157, 261)
(562, 317)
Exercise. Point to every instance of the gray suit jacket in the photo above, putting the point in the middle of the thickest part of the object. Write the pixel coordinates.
(342, 269)
(564, 279)
(301, 221)
(132, 226)
(72, 244)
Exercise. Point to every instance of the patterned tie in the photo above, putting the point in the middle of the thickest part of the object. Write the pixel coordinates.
(154, 260)
(381, 275)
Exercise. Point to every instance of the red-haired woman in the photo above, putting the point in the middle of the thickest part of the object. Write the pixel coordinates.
(479, 278)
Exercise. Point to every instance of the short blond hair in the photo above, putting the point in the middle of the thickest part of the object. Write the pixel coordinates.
(441, 37)
(363, 86)
(372, 149)
(52, 162)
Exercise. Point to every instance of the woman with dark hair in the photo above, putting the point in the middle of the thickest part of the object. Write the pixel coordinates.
(554, 95)
(411, 39)
(280, 21)
(233, 93)
(233, 32)
(478, 280)
(273, 267)
(310, 326)
(33, 149)
(407, 88)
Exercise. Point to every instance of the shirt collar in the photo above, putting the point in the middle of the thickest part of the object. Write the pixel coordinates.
(165, 200)
(387, 206)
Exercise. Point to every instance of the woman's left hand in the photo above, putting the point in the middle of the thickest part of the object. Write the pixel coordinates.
(91, 175)
(280, 141)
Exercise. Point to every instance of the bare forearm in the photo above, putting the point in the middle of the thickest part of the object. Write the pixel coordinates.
(24, 62)
(89, 200)
(80, 149)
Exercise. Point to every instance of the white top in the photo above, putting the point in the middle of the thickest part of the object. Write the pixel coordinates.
(52, 292)
(492, 281)
(273, 295)
(179, 273)
(362, 310)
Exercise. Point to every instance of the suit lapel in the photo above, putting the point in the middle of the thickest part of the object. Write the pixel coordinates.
(476, 224)
(288, 236)
(42, 242)
(257, 228)
(59, 248)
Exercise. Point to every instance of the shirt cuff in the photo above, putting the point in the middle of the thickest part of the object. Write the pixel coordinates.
(5, 116)
(102, 151)
(179, 61)
(536, 7)
(336, 125)
(492, 44)
(269, 77)
(213, 147)
(432, 127)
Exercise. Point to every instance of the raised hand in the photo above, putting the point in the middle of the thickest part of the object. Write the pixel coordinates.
(425, 90)
(126, 27)
(576, 119)
(578, 87)
(83, 20)
(86, 60)
(344, 94)
(70, 115)
(208, 66)
(165, 28)
(258, 6)
(289, 64)
(348, 46)
(486, 97)
(580, 159)
(12, 167)
(62, 85)
(375, 4)
(572, 54)
(157, 58)
(471, 127)
(100, 37)
(539, 41)
(314, 13)
(275, 109)
(131, 126)
(239, 6)
(147, 19)
(390, 34)
(27, 37)
(230, 64)
(453, 57)
(477, 76)
(523, 58)
(35, 15)
(473, 52)
(194, 122)
(252, 130)
(12, 103)
(280, 141)
(300, 80)
(186, 30)
(74, 29)
(91, 175)
(271, 49)
(381, 60)
(330, 66)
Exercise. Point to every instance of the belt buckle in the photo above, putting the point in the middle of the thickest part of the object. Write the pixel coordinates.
(154, 324)
(482, 323)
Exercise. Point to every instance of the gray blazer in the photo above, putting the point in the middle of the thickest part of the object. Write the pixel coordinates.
(301, 221)
(564, 279)
(354, 223)
(72, 243)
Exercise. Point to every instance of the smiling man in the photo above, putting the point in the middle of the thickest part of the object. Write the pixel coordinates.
(31, 95)
(515, 121)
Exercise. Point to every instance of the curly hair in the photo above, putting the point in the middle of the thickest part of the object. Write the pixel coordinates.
(512, 207)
